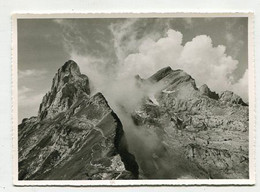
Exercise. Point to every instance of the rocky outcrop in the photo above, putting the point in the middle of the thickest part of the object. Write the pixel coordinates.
(68, 84)
(198, 134)
(232, 98)
(204, 89)
(75, 136)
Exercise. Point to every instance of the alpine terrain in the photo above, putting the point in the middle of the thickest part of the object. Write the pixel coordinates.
(199, 133)
(196, 133)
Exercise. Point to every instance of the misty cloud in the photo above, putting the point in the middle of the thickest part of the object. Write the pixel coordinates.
(28, 98)
(198, 57)
(31, 73)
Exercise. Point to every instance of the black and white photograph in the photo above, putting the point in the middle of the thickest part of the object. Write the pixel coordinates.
(142, 99)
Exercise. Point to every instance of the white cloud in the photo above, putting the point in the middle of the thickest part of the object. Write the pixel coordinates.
(198, 57)
(31, 73)
(94, 68)
(207, 64)
(153, 55)
(28, 102)
(28, 98)
(127, 37)
(120, 32)
(23, 90)
(188, 23)
(229, 37)
(72, 38)
(241, 87)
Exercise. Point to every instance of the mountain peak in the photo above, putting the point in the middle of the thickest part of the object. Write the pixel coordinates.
(230, 97)
(161, 74)
(205, 90)
(68, 72)
(172, 78)
(68, 83)
(70, 66)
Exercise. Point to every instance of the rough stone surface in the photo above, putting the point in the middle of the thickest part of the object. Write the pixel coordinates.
(204, 89)
(232, 98)
(198, 136)
(67, 85)
(75, 136)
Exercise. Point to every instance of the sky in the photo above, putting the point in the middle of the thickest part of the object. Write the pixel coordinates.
(214, 51)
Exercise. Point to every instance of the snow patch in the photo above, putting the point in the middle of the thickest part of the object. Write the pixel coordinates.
(153, 99)
(168, 92)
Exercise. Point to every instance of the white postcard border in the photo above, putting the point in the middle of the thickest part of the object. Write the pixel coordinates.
(168, 182)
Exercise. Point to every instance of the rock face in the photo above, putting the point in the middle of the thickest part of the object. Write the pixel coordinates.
(199, 135)
(232, 98)
(75, 135)
(204, 89)
(68, 84)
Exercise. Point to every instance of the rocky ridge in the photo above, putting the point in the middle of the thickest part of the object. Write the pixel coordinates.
(200, 134)
(75, 136)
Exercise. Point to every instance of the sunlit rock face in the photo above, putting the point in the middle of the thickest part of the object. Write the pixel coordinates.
(76, 135)
(198, 133)
(67, 85)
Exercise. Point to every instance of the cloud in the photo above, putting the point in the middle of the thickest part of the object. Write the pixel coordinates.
(129, 34)
(28, 102)
(229, 37)
(198, 57)
(94, 68)
(142, 52)
(188, 23)
(234, 44)
(28, 73)
(124, 37)
(153, 55)
(241, 87)
(236, 48)
(207, 64)
(72, 38)
(27, 97)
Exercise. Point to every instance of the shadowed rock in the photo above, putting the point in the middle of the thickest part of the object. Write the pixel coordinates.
(204, 89)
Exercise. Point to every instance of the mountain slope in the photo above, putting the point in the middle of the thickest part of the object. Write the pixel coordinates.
(199, 134)
(75, 135)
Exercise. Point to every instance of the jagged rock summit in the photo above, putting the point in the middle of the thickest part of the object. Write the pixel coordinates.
(68, 84)
(232, 98)
(204, 89)
(75, 136)
(199, 134)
